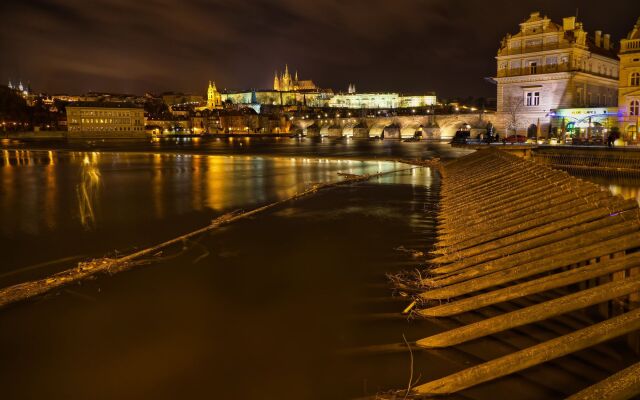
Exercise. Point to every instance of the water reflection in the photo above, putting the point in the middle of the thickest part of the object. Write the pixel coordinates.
(87, 191)
(628, 192)
(28, 191)
(47, 191)
(627, 187)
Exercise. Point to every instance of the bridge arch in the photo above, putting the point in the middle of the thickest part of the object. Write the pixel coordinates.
(312, 130)
(392, 131)
(360, 130)
(334, 130)
(324, 130)
(376, 131)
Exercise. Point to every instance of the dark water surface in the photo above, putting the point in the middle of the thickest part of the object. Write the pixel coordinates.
(61, 204)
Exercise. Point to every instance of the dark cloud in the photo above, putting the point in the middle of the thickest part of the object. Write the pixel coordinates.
(156, 45)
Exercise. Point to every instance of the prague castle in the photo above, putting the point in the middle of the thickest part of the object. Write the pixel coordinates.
(289, 90)
(285, 83)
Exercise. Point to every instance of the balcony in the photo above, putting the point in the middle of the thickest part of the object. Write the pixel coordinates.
(533, 49)
(548, 69)
(630, 46)
(540, 69)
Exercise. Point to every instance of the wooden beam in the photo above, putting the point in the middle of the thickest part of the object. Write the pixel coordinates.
(535, 355)
(549, 282)
(620, 386)
(534, 313)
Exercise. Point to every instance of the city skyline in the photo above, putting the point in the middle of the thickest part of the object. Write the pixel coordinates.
(416, 46)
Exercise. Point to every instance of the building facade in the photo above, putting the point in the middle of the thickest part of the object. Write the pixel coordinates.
(629, 90)
(548, 66)
(381, 100)
(275, 97)
(105, 118)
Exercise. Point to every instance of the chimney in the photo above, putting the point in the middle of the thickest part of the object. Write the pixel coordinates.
(598, 38)
(569, 23)
(607, 42)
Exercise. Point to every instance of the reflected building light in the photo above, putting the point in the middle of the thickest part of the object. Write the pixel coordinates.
(157, 183)
(88, 191)
(51, 192)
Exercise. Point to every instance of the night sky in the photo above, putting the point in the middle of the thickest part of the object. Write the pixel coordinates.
(129, 46)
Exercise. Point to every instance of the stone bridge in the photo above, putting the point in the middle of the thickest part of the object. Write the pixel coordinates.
(427, 126)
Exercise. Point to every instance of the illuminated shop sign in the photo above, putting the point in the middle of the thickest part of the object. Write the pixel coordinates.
(584, 112)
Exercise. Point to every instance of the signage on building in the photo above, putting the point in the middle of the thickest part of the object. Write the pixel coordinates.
(584, 112)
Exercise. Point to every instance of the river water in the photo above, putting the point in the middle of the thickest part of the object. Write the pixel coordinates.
(289, 304)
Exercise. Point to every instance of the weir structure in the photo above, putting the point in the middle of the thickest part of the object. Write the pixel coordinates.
(514, 231)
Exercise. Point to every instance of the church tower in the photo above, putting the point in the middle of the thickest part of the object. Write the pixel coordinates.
(214, 100)
(285, 84)
(629, 87)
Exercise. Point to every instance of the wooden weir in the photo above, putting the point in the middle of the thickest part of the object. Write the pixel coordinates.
(511, 229)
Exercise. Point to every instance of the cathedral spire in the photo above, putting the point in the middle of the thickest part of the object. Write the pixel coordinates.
(276, 81)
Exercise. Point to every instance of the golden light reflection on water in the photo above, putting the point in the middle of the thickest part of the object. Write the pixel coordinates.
(157, 181)
(627, 192)
(25, 202)
(50, 192)
(88, 190)
(45, 191)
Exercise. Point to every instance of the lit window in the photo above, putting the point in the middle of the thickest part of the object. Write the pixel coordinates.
(532, 99)
(635, 79)
(634, 108)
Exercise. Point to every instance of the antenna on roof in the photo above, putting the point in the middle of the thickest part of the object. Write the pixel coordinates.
(577, 12)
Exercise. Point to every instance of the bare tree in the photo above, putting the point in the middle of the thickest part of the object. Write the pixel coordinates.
(512, 107)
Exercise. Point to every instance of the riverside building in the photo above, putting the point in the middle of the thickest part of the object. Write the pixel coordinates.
(629, 90)
(108, 119)
(548, 66)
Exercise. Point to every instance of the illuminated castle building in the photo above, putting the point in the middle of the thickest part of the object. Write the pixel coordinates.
(285, 83)
(24, 90)
(290, 91)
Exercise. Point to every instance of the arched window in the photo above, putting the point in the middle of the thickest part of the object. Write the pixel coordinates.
(635, 79)
(634, 108)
